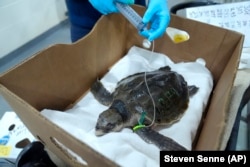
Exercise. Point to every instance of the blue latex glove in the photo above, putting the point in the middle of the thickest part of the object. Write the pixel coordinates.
(158, 15)
(108, 6)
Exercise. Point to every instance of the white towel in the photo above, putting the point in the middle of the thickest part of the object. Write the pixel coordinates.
(245, 58)
(127, 148)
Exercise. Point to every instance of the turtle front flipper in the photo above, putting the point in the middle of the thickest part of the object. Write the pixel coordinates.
(161, 141)
(101, 94)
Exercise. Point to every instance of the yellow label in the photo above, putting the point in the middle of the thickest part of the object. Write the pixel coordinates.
(5, 151)
(180, 38)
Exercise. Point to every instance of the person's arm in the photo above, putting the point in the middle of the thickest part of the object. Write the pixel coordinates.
(157, 14)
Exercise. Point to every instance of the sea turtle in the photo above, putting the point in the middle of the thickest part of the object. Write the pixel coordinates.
(158, 97)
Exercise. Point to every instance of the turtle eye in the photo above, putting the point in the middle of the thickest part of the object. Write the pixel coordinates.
(110, 126)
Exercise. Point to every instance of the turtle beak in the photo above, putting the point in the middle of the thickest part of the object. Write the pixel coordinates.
(108, 121)
(99, 132)
(102, 130)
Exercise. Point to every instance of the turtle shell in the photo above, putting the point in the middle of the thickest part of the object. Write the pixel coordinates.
(162, 95)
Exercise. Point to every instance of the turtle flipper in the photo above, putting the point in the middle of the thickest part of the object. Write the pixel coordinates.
(101, 93)
(161, 141)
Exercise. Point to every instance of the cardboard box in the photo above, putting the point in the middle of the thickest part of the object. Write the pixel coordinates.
(57, 77)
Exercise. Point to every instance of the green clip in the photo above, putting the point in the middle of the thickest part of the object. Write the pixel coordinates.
(138, 127)
(140, 122)
(143, 114)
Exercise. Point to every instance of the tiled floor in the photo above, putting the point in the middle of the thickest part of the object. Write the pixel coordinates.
(58, 34)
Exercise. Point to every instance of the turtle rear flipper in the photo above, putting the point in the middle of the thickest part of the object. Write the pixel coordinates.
(101, 94)
(161, 141)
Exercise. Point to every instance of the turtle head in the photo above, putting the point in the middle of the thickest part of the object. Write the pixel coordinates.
(108, 121)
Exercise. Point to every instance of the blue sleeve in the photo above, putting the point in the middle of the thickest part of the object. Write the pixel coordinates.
(83, 16)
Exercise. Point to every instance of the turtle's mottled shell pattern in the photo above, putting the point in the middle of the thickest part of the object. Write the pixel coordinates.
(168, 89)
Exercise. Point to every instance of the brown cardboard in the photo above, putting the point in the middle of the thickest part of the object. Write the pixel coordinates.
(57, 77)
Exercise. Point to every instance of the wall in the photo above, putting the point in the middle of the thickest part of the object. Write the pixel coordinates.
(23, 20)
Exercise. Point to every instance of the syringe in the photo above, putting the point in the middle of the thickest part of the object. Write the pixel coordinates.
(133, 17)
(176, 35)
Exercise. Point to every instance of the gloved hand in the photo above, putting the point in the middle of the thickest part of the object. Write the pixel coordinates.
(108, 6)
(158, 14)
